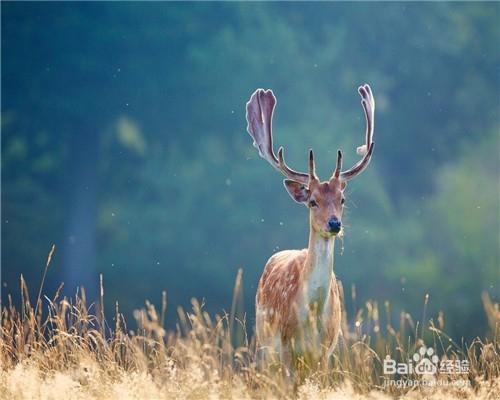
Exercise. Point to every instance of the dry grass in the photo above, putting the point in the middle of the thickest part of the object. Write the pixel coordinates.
(59, 349)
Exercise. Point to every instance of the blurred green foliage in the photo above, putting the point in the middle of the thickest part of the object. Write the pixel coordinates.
(123, 142)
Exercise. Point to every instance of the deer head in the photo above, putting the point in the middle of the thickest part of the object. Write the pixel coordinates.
(325, 200)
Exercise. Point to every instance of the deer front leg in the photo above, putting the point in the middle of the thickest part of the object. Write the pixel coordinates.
(286, 356)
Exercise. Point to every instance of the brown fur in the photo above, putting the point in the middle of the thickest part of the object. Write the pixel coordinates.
(278, 293)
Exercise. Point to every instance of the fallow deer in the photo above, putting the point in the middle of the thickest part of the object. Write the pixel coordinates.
(296, 284)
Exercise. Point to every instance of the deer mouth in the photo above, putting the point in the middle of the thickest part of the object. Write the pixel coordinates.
(328, 234)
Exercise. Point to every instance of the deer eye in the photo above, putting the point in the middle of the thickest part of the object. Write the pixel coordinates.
(313, 203)
(342, 201)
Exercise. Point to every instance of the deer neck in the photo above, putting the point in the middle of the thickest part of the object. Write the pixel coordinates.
(318, 271)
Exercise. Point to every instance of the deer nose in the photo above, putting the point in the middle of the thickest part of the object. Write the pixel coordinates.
(334, 225)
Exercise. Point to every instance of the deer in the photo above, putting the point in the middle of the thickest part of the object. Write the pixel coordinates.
(298, 299)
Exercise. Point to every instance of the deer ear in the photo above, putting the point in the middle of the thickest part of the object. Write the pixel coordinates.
(297, 191)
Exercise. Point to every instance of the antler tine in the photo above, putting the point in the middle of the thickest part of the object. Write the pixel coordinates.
(336, 174)
(290, 173)
(312, 166)
(368, 103)
(259, 117)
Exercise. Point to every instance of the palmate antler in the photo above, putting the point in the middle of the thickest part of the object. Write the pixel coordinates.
(260, 109)
(366, 150)
(259, 116)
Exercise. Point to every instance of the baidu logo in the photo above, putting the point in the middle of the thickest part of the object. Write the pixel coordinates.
(424, 366)
(426, 361)
(423, 362)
